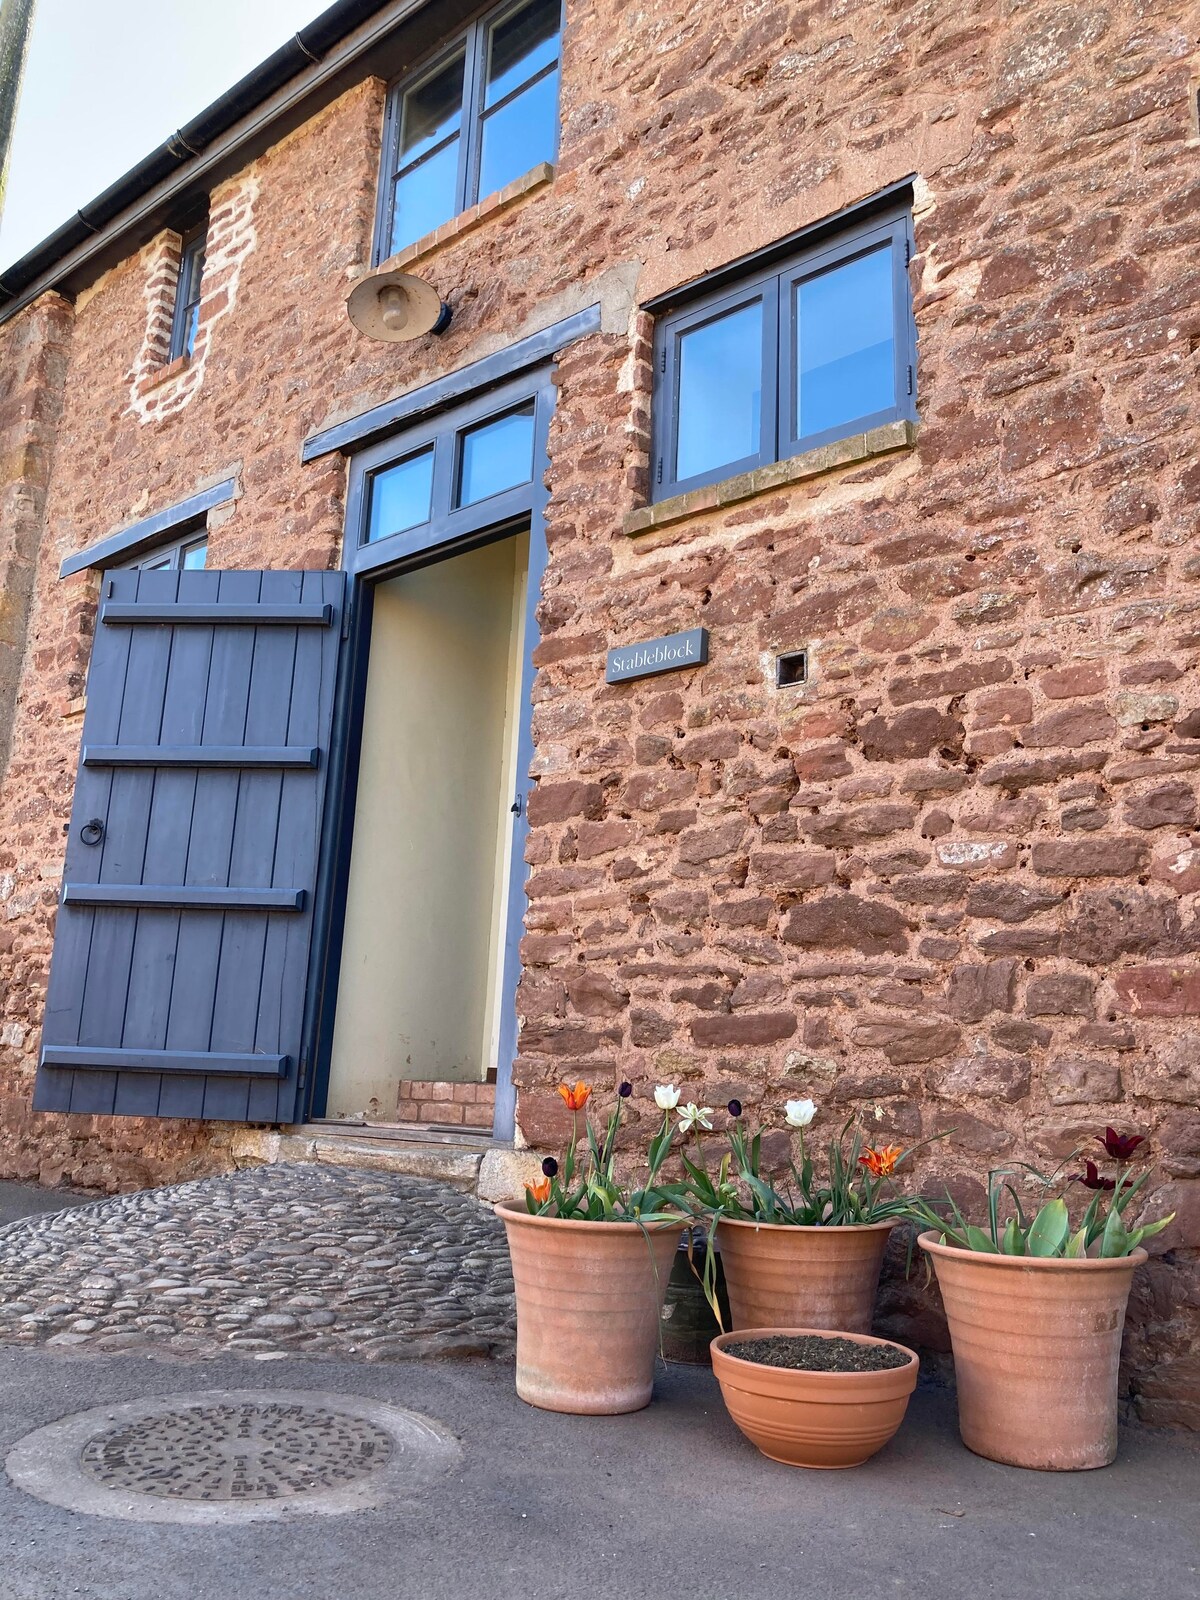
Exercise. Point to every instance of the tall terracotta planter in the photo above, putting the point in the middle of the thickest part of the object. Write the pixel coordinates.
(781, 1276)
(589, 1299)
(1036, 1350)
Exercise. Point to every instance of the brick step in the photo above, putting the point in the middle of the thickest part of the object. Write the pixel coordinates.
(457, 1105)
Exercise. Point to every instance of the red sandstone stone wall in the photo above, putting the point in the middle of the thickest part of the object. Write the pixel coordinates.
(955, 875)
(33, 370)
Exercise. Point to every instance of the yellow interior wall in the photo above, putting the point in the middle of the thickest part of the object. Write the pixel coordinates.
(418, 991)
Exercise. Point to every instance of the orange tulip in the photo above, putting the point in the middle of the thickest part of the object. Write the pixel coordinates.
(539, 1192)
(574, 1099)
(881, 1163)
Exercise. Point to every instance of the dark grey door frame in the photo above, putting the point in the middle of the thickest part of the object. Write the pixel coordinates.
(448, 532)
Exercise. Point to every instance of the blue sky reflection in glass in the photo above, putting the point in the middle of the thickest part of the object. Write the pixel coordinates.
(720, 391)
(401, 496)
(495, 456)
(522, 63)
(430, 128)
(845, 343)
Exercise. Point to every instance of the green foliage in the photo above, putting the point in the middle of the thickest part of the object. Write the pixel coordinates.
(585, 1186)
(1048, 1234)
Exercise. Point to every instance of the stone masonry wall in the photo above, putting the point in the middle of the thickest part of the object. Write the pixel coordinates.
(33, 369)
(954, 875)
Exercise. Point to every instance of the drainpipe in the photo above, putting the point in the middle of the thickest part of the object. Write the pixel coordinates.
(16, 19)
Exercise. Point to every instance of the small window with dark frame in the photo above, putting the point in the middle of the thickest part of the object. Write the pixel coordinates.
(482, 114)
(186, 318)
(818, 346)
(187, 554)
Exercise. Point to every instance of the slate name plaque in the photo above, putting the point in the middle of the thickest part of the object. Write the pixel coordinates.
(668, 654)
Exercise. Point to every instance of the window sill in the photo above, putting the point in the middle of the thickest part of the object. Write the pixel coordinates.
(169, 369)
(858, 447)
(466, 221)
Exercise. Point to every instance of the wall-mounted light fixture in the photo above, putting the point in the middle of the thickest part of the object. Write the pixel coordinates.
(397, 307)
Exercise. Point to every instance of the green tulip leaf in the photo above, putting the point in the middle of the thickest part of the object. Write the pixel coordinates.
(1012, 1241)
(1049, 1229)
(978, 1240)
(1114, 1241)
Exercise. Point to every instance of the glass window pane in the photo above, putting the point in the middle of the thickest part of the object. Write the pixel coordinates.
(496, 455)
(720, 391)
(520, 46)
(519, 135)
(157, 563)
(426, 197)
(401, 496)
(845, 360)
(190, 329)
(430, 112)
(194, 556)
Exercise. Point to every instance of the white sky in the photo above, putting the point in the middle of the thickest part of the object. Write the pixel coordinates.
(106, 81)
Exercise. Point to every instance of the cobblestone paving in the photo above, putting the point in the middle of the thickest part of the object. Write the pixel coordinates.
(306, 1260)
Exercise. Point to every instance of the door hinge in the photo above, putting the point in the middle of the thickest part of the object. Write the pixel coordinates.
(658, 474)
(302, 1069)
(910, 380)
(662, 360)
(346, 615)
(907, 250)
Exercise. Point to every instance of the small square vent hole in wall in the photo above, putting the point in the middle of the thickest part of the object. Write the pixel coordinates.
(791, 668)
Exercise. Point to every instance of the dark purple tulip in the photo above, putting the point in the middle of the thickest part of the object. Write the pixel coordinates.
(1091, 1179)
(625, 1091)
(735, 1108)
(550, 1167)
(1120, 1146)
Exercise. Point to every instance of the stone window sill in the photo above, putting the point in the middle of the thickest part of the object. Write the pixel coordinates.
(169, 369)
(467, 221)
(858, 447)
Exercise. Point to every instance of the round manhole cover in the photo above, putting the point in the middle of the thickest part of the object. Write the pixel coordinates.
(250, 1451)
(232, 1457)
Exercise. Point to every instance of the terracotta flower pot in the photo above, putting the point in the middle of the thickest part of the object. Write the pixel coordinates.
(813, 1419)
(781, 1276)
(1036, 1350)
(589, 1299)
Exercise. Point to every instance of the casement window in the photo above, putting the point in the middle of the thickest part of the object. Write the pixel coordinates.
(186, 318)
(459, 129)
(188, 554)
(817, 346)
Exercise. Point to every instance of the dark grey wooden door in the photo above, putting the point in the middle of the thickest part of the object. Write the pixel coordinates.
(181, 952)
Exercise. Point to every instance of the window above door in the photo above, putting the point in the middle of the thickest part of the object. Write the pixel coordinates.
(444, 479)
(462, 127)
(820, 346)
(186, 554)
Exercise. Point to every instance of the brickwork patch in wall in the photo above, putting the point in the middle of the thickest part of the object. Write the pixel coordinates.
(159, 388)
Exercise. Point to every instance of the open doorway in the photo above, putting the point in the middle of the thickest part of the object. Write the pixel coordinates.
(422, 989)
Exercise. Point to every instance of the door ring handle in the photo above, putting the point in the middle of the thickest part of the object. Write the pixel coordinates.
(92, 832)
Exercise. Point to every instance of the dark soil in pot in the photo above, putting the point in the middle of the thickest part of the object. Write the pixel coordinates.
(809, 1352)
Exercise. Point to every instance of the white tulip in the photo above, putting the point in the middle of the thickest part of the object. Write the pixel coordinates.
(799, 1113)
(693, 1116)
(666, 1097)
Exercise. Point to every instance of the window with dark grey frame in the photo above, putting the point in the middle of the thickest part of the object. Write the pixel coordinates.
(186, 554)
(483, 112)
(817, 346)
(186, 318)
(481, 462)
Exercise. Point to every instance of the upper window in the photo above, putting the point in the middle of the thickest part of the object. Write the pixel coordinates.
(782, 361)
(485, 112)
(187, 294)
(188, 554)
